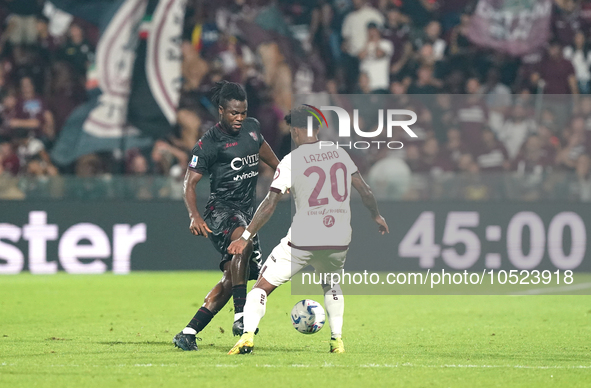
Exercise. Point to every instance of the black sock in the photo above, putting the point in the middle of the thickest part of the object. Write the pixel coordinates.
(239, 296)
(201, 319)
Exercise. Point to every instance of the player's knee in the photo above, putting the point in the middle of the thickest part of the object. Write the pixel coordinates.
(264, 285)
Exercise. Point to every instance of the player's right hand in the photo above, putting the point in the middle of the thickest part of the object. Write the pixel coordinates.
(198, 227)
(383, 229)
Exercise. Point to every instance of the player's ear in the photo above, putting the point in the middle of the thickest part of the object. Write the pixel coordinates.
(220, 109)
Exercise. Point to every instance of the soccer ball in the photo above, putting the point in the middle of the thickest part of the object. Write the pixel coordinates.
(307, 316)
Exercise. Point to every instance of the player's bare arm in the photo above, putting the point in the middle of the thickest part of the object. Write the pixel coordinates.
(197, 226)
(369, 201)
(268, 156)
(260, 218)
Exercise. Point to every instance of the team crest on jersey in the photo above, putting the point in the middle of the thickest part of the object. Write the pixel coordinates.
(328, 221)
(194, 161)
(254, 136)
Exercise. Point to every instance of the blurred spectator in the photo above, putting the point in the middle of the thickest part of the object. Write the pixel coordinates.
(89, 166)
(389, 177)
(565, 20)
(355, 26)
(585, 16)
(435, 161)
(8, 159)
(363, 85)
(531, 165)
(533, 158)
(166, 157)
(32, 155)
(21, 22)
(397, 30)
(459, 43)
(431, 34)
(498, 95)
(549, 143)
(77, 50)
(425, 83)
(580, 189)
(471, 186)
(138, 169)
(492, 154)
(414, 158)
(31, 112)
(46, 43)
(9, 189)
(576, 144)
(67, 92)
(515, 130)
(557, 72)
(424, 57)
(472, 114)
(304, 17)
(7, 113)
(585, 111)
(444, 113)
(579, 54)
(420, 11)
(354, 34)
(375, 59)
(453, 147)
(91, 182)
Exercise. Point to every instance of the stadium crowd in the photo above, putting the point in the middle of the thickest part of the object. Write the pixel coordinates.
(506, 119)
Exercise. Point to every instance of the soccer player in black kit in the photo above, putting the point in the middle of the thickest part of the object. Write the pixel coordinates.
(229, 152)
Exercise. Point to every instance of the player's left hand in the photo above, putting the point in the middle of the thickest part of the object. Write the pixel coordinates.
(383, 226)
(237, 246)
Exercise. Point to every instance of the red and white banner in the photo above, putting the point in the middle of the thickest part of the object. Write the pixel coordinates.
(510, 26)
(164, 57)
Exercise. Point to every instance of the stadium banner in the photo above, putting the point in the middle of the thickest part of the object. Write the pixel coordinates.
(543, 241)
(137, 72)
(515, 27)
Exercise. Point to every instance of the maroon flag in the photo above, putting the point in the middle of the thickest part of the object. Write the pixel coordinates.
(516, 27)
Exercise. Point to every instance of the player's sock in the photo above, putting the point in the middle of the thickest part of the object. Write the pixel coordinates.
(335, 307)
(239, 296)
(200, 320)
(254, 309)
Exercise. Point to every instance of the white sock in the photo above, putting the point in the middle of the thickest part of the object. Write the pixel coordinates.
(335, 308)
(237, 316)
(254, 309)
(189, 330)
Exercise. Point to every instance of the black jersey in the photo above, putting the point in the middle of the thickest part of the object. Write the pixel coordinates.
(232, 162)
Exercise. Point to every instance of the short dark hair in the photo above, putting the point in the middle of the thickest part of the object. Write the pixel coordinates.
(224, 91)
(298, 118)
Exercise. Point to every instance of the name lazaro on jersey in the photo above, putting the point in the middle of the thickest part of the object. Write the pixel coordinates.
(232, 162)
(320, 183)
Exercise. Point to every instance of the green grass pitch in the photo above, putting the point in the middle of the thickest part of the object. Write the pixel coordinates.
(107, 330)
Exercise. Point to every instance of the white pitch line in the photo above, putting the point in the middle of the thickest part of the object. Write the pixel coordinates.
(330, 365)
(552, 290)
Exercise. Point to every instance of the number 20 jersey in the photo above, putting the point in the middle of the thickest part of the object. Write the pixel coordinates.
(320, 182)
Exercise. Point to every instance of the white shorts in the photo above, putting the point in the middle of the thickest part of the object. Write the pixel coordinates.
(286, 261)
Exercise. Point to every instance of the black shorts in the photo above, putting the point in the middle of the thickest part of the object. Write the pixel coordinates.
(223, 222)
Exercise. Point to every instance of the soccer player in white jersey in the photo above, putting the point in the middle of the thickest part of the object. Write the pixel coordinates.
(320, 180)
